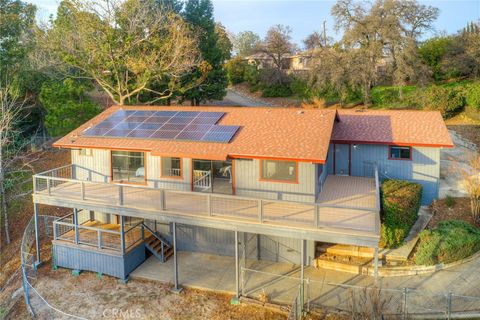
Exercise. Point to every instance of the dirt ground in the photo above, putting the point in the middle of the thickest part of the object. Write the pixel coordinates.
(93, 297)
(459, 211)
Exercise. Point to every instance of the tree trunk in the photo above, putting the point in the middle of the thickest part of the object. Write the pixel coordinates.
(4, 198)
(475, 206)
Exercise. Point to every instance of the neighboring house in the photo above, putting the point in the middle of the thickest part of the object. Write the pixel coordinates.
(304, 61)
(195, 178)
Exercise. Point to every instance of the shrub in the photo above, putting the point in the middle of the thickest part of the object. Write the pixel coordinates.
(447, 100)
(450, 201)
(390, 96)
(251, 75)
(301, 89)
(400, 204)
(235, 70)
(276, 91)
(472, 95)
(450, 241)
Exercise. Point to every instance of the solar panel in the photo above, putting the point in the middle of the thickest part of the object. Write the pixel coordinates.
(164, 125)
(167, 135)
(190, 135)
(218, 136)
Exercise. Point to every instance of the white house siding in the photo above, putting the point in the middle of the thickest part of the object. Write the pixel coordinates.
(248, 184)
(154, 178)
(94, 167)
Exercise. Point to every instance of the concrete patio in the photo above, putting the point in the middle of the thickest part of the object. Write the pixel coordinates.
(279, 281)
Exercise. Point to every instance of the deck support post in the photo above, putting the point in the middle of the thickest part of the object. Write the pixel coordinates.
(302, 261)
(375, 264)
(75, 223)
(258, 247)
(237, 278)
(37, 234)
(122, 233)
(92, 215)
(302, 274)
(176, 288)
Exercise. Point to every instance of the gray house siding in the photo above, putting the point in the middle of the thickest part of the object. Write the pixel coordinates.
(247, 182)
(222, 242)
(424, 168)
(116, 265)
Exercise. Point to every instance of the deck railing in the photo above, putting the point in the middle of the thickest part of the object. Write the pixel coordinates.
(302, 214)
(66, 229)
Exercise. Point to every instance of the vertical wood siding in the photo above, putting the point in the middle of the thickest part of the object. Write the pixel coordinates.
(222, 242)
(424, 168)
(247, 183)
(95, 167)
(154, 174)
(77, 258)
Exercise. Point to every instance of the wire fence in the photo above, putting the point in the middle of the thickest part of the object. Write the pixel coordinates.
(359, 301)
(36, 304)
(285, 288)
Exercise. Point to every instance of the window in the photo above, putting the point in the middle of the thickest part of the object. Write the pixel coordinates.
(171, 167)
(400, 153)
(128, 166)
(85, 152)
(278, 170)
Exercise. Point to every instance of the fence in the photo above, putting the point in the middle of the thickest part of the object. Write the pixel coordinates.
(361, 302)
(61, 182)
(37, 306)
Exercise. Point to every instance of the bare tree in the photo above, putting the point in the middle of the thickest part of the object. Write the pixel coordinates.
(10, 115)
(124, 46)
(278, 44)
(471, 182)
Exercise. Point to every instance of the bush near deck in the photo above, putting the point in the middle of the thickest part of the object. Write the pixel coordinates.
(400, 205)
(450, 241)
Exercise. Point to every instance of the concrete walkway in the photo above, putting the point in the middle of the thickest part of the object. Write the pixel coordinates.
(212, 272)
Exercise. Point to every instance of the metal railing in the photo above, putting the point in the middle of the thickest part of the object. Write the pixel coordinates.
(299, 214)
(65, 229)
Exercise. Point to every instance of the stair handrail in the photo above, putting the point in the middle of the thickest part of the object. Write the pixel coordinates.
(156, 235)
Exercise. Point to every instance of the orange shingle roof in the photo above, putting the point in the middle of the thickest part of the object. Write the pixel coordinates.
(400, 127)
(280, 133)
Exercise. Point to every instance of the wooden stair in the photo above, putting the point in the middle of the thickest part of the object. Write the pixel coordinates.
(154, 243)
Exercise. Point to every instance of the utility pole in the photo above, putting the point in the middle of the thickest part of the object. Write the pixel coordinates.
(325, 33)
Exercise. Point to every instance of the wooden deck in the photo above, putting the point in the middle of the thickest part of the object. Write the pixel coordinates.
(346, 207)
(110, 240)
(349, 191)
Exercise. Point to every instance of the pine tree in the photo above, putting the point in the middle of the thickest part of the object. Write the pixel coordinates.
(210, 80)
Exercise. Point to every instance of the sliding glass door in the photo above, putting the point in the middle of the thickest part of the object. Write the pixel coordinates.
(212, 176)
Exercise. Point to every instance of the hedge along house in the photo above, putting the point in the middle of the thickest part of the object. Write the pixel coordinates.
(155, 180)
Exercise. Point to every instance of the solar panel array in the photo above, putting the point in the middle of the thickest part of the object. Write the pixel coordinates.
(164, 125)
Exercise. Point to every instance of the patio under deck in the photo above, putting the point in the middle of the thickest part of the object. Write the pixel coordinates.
(347, 210)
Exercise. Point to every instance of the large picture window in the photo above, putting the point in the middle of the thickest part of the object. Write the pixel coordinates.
(399, 153)
(128, 166)
(275, 170)
(171, 167)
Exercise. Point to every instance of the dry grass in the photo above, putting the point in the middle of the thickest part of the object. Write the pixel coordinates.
(95, 297)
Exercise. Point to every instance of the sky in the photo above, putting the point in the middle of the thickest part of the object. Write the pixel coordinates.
(304, 17)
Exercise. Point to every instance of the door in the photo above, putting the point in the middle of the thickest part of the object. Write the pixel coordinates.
(212, 176)
(342, 159)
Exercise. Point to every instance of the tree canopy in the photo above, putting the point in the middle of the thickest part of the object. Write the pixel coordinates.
(123, 46)
(208, 80)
